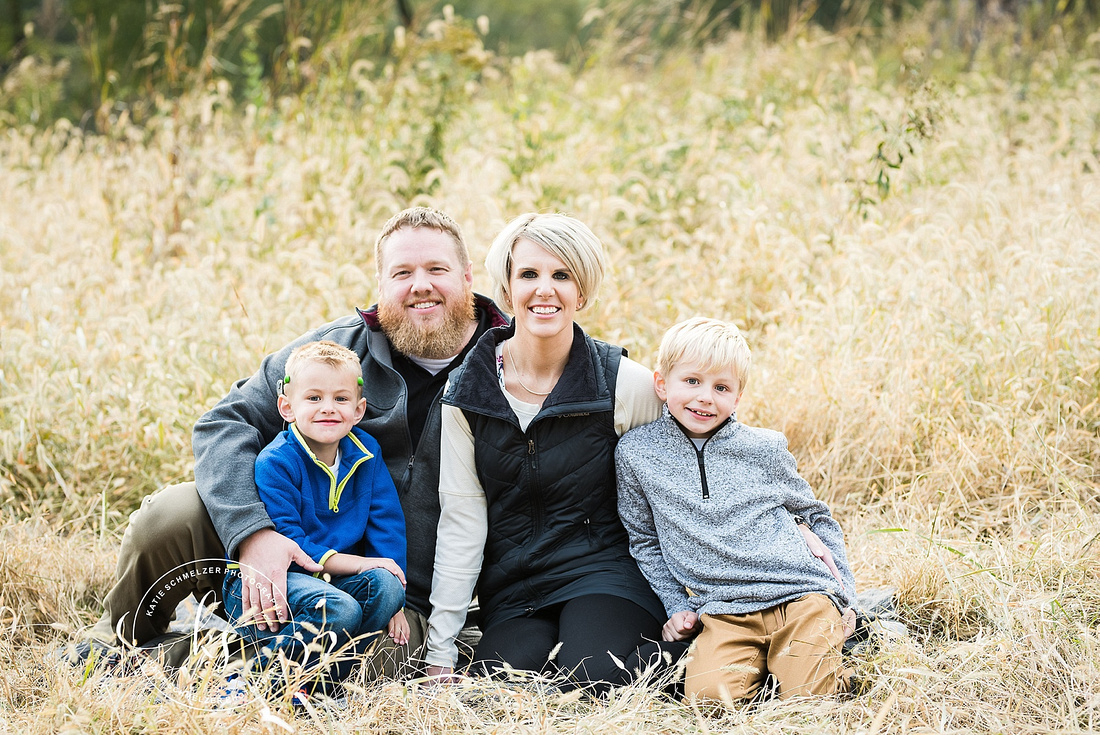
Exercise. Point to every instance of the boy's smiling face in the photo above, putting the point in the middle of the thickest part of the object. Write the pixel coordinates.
(323, 402)
(701, 400)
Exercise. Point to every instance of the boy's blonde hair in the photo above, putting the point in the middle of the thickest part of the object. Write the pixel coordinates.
(566, 238)
(421, 217)
(326, 353)
(710, 343)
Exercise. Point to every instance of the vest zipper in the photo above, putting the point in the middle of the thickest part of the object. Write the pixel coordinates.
(536, 519)
(534, 489)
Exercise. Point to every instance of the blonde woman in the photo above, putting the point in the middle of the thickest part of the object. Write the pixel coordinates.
(527, 478)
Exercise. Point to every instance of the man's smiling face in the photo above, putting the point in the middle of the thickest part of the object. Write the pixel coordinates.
(425, 304)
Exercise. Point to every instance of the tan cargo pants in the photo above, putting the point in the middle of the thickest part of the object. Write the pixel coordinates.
(799, 642)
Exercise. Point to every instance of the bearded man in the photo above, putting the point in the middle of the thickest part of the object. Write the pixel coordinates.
(426, 319)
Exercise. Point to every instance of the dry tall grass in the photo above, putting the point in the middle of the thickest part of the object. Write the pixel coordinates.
(927, 336)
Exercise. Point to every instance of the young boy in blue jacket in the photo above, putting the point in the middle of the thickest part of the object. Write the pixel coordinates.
(324, 485)
(711, 506)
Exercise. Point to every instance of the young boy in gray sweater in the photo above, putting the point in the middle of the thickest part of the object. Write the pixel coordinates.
(712, 508)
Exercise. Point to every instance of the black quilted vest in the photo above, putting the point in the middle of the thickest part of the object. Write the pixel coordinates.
(554, 530)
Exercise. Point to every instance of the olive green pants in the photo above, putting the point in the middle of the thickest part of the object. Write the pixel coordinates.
(169, 551)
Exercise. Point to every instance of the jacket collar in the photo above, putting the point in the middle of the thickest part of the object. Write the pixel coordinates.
(351, 448)
(581, 387)
(726, 427)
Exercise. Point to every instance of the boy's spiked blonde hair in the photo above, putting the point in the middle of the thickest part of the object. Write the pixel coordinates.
(709, 343)
(326, 353)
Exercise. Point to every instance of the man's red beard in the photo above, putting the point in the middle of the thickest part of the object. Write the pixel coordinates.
(429, 341)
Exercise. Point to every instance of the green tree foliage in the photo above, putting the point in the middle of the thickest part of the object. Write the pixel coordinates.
(11, 28)
(89, 59)
(134, 51)
(518, 26)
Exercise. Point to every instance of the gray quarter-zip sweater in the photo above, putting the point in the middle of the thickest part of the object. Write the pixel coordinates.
(719, 520)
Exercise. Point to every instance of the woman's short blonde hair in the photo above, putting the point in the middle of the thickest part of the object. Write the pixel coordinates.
(711, 344)
(566, 238)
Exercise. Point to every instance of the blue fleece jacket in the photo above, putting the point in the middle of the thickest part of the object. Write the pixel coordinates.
(355, 512)
(720, 520)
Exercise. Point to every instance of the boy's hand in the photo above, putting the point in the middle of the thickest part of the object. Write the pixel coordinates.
(381, 562)
(821, 551)
(265, 556)
(399, 628)
(680, 626)
(848, 618)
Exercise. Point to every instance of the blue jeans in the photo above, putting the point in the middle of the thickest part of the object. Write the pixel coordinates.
(332, 613)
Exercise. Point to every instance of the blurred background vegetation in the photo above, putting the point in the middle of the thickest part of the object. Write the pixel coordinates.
(897, 200)
(90, 61)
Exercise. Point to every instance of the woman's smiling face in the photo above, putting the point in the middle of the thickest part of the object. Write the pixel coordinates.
(542, 292)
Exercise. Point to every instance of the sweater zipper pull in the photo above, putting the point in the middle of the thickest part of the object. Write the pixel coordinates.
(703, 474)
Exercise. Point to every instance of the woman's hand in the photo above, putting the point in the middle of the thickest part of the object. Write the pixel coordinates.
(442, 674)
(821, 551)
(398, 628)
(680, 626)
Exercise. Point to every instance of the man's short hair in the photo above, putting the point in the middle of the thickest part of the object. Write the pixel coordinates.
(326, 353)
(710, 343)
(422, 217)
(566, 238)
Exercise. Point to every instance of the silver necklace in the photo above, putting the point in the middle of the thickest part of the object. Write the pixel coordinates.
(520, 381)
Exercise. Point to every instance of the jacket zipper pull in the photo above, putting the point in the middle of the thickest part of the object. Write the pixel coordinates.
(703, 474)
(530, 446)
(412, 457)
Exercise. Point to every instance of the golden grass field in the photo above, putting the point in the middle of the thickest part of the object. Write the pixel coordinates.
(928, 336)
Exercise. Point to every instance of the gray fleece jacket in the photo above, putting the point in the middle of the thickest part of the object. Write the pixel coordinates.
(719, 521)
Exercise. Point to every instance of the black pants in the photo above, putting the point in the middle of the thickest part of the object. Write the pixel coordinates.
(594, 631)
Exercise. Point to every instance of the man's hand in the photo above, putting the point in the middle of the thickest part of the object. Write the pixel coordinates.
(399, 628)
(680, 626)
(265, 556)
(821, 551)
